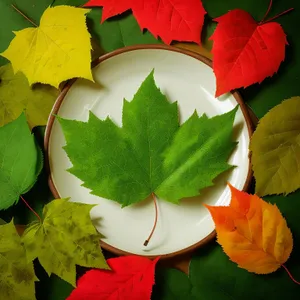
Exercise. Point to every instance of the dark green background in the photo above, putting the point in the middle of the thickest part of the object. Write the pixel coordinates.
(212, 275)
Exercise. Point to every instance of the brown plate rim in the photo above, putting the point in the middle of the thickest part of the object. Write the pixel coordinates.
(65, 90)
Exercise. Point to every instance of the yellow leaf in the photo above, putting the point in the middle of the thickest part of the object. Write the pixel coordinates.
(17, 96)
(252, 232)
(57, 50)
(275, 147)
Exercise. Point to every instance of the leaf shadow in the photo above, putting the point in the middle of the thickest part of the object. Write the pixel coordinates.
(210, 192)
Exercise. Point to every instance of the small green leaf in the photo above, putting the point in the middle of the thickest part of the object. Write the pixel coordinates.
(17, 96)
(66, 238)
(275, 147)
(20, 161)
(17, 274)
(150, 153)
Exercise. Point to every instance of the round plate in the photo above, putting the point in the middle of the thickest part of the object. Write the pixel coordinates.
(182, 76)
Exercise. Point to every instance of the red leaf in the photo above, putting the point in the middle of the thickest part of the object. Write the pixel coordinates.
(180, 20)
(245, 52)
(130, 278)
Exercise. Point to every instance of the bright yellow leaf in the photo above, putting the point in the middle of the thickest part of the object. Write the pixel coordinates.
(275, 147)
(57, 50)
(252, 232)
(17, 96)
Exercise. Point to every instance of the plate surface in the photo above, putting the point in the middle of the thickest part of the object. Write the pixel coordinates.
(181, 78)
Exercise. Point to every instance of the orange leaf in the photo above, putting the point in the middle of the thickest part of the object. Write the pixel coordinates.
(252, 232)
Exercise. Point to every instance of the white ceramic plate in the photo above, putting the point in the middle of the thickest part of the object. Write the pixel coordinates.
(182, 78)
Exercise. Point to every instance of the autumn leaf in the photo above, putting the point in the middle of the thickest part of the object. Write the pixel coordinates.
(57, 50)
(21, 161)
(12, 20)
(276, 150)
(252, 232)
(177, 20)
(131, 277)
(151, 153)
(17, 274)
(17, 96)
(64, 239)
(245, 52)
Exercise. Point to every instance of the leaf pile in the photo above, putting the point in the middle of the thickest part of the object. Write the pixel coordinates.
(151, 153)
(158, 155)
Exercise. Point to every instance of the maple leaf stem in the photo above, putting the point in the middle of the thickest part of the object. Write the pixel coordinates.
(291, 276)
(155, 221)
(22, 14)
(275, 17)
(26, 203)
(267, 12)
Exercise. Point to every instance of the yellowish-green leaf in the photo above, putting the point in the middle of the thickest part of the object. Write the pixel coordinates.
(17, 274)
(275, 147)
(66, 238)
(17, 96)
(57, 50)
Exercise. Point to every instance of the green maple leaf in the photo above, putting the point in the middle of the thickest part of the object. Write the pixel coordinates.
(64, 239)
(17, 274)
(151, 153)
(16, 96)
(20, 161)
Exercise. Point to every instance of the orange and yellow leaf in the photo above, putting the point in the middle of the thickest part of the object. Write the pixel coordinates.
(252, 232)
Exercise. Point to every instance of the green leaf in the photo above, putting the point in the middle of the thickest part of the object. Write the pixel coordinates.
(172, 284)
(116, 32)
(2, 222)
(17, 96)
(275, 147)
(20, 161)
(190, 153)
(11, 20)
(151, 153)
(17, 274)
(213, 276)
(64, 239)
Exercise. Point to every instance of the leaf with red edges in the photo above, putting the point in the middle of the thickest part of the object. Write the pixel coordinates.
(245, 52)
(179, 20)
(131, 277)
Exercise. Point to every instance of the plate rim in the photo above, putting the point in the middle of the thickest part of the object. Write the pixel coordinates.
(66, 87)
